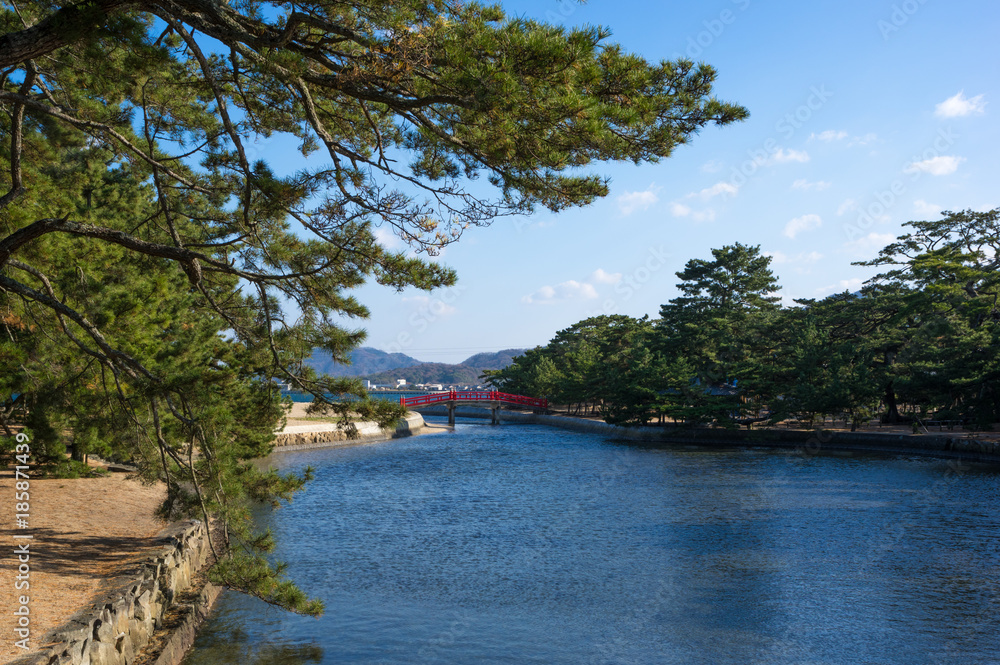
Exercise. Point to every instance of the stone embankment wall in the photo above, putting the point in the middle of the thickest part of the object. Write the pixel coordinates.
(965, 448)
(322, 435)
(114, 630)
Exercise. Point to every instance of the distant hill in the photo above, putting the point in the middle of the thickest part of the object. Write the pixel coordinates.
(364, 361)
(497, 360)
(430, 373)
(464, 373)
(381, 367)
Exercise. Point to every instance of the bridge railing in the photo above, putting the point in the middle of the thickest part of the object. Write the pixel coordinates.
(474, 396)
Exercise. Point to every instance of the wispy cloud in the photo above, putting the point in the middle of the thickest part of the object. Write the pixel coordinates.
(829, 135)
(926, 209)
(568, 290)
(780, 258)
(599, 276)
(849, 205)
(817, 186)
(718, 189)
(940, 165)
(631, 202)
(803, 223)
(783, 156)
(869, 245)
(712, 166)
(681, 210)
(851, 285)
(960, 105)
(862, 140)
(723, 189)
(388, 239)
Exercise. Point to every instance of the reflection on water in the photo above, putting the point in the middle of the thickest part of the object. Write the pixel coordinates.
(520, 544)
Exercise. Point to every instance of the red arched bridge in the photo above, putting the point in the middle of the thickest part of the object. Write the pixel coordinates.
(489, 399)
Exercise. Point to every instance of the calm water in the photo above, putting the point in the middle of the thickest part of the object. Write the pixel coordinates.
(520, 544)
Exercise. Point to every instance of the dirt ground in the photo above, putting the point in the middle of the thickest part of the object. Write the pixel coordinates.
(86, 533)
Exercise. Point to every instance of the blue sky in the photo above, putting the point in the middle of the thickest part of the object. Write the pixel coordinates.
(864, 115)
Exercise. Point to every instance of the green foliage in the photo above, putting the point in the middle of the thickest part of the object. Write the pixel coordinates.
(157, 279)
(923, 338)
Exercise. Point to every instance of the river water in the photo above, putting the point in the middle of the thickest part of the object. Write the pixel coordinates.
(528, 544)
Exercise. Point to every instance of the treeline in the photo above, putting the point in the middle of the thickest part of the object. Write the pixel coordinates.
(919, 341)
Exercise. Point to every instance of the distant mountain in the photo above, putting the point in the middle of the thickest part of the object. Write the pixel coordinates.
(497, 360)
(430, 373)
(465, 373)
(364, 361)
(385, 368)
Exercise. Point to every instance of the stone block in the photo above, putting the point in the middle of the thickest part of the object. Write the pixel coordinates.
(76, 631)
(104, 653)
(138, 632)
(120, 613)
(123, 645)
(104, 631)
(140, 606)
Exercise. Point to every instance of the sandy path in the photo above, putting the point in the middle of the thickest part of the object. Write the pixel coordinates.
(86, 532)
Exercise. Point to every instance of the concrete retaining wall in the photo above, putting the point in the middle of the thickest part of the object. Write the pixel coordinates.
(931, 445)
(114, 630)
(951, 447)
(325, 435)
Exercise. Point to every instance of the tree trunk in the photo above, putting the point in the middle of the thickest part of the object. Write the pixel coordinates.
(891, 411)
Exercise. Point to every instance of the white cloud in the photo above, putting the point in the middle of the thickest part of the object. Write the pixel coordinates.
(817, 186)
(803, 223)
(829, 135)
(717, 189)
(862, 140)
(940, 165)
(724, 189)
(851, 285)
(679, 210)
(630, 202)
(779, 258)
(959, 105)
(388, 239)
(926, 209)
(712, 166)
(569, 290)
(847, 206)
(599, 276)
(783, 156)
(870, 244)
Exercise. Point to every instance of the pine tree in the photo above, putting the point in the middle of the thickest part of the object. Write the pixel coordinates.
(206, 273)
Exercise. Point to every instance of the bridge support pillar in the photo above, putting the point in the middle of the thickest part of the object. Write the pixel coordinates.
(451, 413)
(496, 415)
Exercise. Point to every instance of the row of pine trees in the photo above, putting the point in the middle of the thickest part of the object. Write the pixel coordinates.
(919, 342)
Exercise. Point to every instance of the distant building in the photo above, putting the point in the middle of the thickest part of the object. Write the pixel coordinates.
(400, 383)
